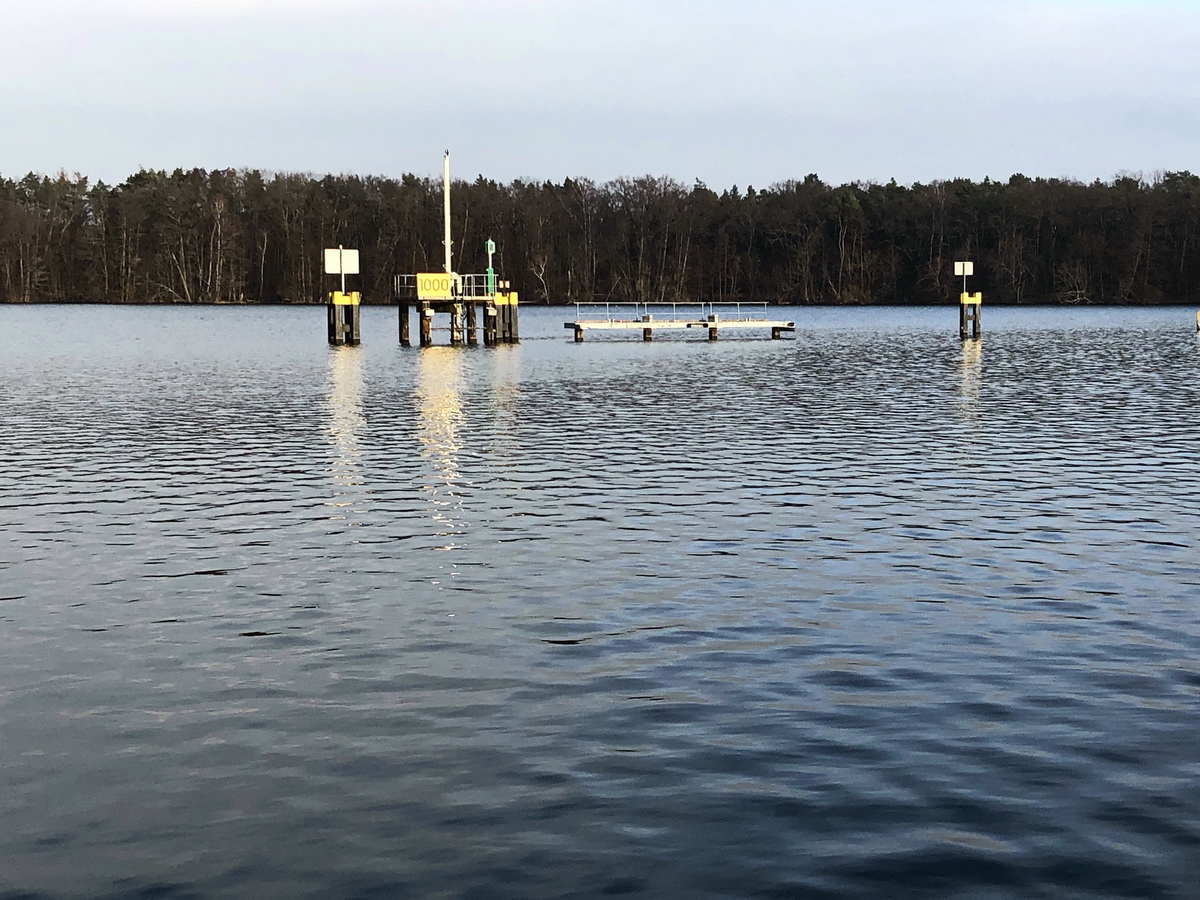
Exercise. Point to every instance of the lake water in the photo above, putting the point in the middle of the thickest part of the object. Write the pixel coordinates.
(866, 613)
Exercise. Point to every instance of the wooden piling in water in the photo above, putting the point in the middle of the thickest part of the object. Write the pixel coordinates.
(506, 317)
(968, 314)
(342, 318)
(404, 337)
(425, 323)
(489, 324)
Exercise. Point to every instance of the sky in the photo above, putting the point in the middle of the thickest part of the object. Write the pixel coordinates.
(738, 92)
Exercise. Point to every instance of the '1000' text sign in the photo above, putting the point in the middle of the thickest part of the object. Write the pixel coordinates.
(434, 286)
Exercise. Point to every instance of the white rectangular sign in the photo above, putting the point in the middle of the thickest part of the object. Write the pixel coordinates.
(341, 262)
(960, 268)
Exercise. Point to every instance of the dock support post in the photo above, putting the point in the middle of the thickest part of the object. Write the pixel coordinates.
(472, 324)
(578, 334)
(506, 316)
(712, 327)
(503, 318)
(426, 324)
(456, 324)
(404, 337)
(342, 318)
(776, 334)
(968, 314)
(489, 324)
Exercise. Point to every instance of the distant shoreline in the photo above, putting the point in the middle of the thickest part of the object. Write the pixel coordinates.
(199, 236)
(1048, 304)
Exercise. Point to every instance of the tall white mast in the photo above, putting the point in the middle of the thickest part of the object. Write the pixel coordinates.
(446, 205)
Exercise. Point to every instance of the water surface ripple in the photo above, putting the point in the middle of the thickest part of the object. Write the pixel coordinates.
(869, 612)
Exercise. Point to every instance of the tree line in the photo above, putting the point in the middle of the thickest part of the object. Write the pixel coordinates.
(246, 236)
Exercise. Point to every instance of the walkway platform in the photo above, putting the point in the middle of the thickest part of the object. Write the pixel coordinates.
(650, 317)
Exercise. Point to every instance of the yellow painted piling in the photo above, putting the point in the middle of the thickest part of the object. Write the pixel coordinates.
(968, 313)
(343, 317)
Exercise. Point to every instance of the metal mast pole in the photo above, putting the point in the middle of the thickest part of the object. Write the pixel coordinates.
(446, 205)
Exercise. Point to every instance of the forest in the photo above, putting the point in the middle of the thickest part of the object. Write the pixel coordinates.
(237, 236)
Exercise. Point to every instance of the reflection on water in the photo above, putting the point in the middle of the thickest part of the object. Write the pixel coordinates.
(346, 421)
(970, 372)
(504, 371)
(439, 402)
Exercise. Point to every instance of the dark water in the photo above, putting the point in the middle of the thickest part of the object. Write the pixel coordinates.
(862, 614)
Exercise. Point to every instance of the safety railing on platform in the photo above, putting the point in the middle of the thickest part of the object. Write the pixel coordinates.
(671, 312)
(475, 287)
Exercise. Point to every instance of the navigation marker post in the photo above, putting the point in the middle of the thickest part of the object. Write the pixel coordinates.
(342, 307)
(491, 273)
(464, 297)
(968, 304)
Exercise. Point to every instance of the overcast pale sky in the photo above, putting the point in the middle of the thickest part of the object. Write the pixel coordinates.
(731, 92)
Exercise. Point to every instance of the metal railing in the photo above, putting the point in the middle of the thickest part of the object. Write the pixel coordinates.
(698, 311)
(468, 287)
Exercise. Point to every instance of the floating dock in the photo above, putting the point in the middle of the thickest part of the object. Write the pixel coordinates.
(650, 317)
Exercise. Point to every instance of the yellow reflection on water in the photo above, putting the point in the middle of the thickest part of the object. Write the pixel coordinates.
(439, 403)
(346, 423)
(970, 377)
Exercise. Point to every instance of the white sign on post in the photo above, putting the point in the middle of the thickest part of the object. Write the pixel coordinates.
(340, 261)
(960, 268)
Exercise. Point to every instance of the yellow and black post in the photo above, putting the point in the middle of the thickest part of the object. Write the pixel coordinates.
(506, 317)
(968, 304)
(342, 306)
(343, 317)
(968, 314)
